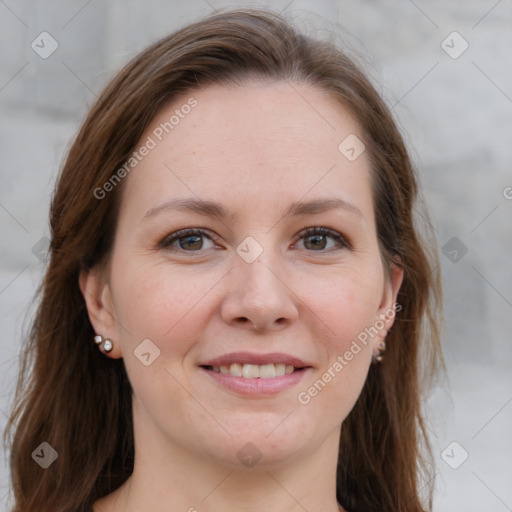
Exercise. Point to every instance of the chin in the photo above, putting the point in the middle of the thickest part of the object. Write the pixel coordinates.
(263, 444)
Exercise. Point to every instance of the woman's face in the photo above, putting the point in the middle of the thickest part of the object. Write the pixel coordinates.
(252, 170)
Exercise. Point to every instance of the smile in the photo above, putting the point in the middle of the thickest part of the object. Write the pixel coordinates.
(254, 371)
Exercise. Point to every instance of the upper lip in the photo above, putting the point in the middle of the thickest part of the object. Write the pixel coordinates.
(259, 359)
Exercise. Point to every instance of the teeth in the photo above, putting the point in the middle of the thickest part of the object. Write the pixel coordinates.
(236, 369)
(250, 371)
(280, 369)
(254, 371)
(267, 371)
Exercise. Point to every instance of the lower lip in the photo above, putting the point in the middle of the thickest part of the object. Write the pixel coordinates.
(259, 386)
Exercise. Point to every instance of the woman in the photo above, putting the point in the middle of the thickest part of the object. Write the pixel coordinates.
(238, 307)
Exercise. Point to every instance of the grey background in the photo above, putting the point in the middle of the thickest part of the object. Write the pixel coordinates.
(456, 114)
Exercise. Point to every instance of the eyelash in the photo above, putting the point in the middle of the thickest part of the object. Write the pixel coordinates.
(318, 230)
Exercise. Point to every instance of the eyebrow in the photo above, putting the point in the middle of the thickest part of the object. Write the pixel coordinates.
(214, 209)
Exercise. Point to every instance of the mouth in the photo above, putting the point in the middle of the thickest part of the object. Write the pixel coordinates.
(256, 374)
(255, 371)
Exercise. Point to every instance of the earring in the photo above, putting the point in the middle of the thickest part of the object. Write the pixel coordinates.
(380, 356)
(105, 344)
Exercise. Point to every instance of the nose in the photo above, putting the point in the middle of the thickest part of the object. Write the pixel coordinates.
(259, 298)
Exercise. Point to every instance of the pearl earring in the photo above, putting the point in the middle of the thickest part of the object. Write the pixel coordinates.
(106, 344)
(380, 356)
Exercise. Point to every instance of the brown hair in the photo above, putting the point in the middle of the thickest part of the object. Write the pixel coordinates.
(79, 401)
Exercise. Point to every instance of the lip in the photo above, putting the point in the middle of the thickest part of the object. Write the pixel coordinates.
(259, 359)
(256, 387)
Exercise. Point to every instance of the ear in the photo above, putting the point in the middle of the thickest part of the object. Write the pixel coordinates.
(387, 309)
(98, 300)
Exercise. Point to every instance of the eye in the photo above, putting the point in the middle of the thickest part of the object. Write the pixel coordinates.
(317, 239)
(189, 240)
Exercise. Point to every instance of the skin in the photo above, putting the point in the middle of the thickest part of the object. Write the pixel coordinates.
(255, 148)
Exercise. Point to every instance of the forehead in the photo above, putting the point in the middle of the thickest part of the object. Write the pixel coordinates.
(272, 141)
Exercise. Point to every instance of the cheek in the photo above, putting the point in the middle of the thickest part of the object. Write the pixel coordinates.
(347, 311)
(345, 301)
(345, 307)
(166, 306)
(160, 303)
